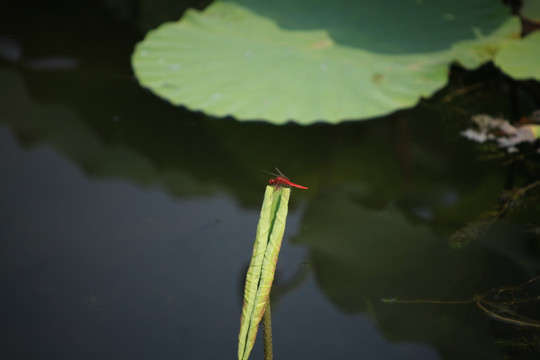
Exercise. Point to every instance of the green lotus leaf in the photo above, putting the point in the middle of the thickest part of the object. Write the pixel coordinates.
(520, 58)
(530, 9)
(313, 61)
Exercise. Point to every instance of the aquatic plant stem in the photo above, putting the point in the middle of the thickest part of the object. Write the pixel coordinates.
(267, 332)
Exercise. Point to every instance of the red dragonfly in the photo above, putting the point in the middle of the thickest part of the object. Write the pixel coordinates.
(281, 180)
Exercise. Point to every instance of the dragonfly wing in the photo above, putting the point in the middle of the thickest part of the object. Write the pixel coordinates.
(268, 172)
(281, 174)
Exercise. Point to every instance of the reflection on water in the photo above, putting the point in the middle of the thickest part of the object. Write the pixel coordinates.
(107, 269)
(126, 224)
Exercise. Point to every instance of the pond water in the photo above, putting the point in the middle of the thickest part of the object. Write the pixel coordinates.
(127, 224)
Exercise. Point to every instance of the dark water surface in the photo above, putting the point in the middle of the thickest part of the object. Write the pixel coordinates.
(126, 224)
